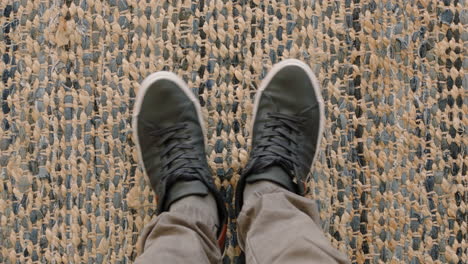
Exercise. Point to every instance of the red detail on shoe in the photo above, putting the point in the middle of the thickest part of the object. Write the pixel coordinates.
(222, 237)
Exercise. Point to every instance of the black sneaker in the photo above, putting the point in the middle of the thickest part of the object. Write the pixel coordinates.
(288, 119)
(170, 139)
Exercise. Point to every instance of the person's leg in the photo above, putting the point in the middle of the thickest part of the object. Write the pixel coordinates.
(184, 234)
(170, 139)
(278, 226)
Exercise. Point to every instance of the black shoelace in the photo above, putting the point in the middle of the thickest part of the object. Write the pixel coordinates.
(278, 144)
(178, 158)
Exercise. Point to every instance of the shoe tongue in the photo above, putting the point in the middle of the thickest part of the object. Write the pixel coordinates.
(273, 173)
(182, 189)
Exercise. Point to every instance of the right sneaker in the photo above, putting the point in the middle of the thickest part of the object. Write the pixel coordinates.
(288, 120)
(170, 139)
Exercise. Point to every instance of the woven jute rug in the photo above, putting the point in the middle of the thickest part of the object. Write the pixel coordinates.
(391, 178)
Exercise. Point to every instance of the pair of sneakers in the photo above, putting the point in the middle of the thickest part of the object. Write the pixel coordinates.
(170, 136)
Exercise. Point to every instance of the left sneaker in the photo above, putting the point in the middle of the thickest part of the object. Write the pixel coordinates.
(170, 139)
(288, 120)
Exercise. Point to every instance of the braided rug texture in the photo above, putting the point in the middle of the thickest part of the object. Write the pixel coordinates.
(390, 180)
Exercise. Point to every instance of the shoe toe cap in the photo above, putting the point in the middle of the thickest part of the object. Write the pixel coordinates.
(291, 89)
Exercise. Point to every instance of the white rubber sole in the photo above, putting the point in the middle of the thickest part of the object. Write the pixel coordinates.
(162, 75)
(315, 83)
